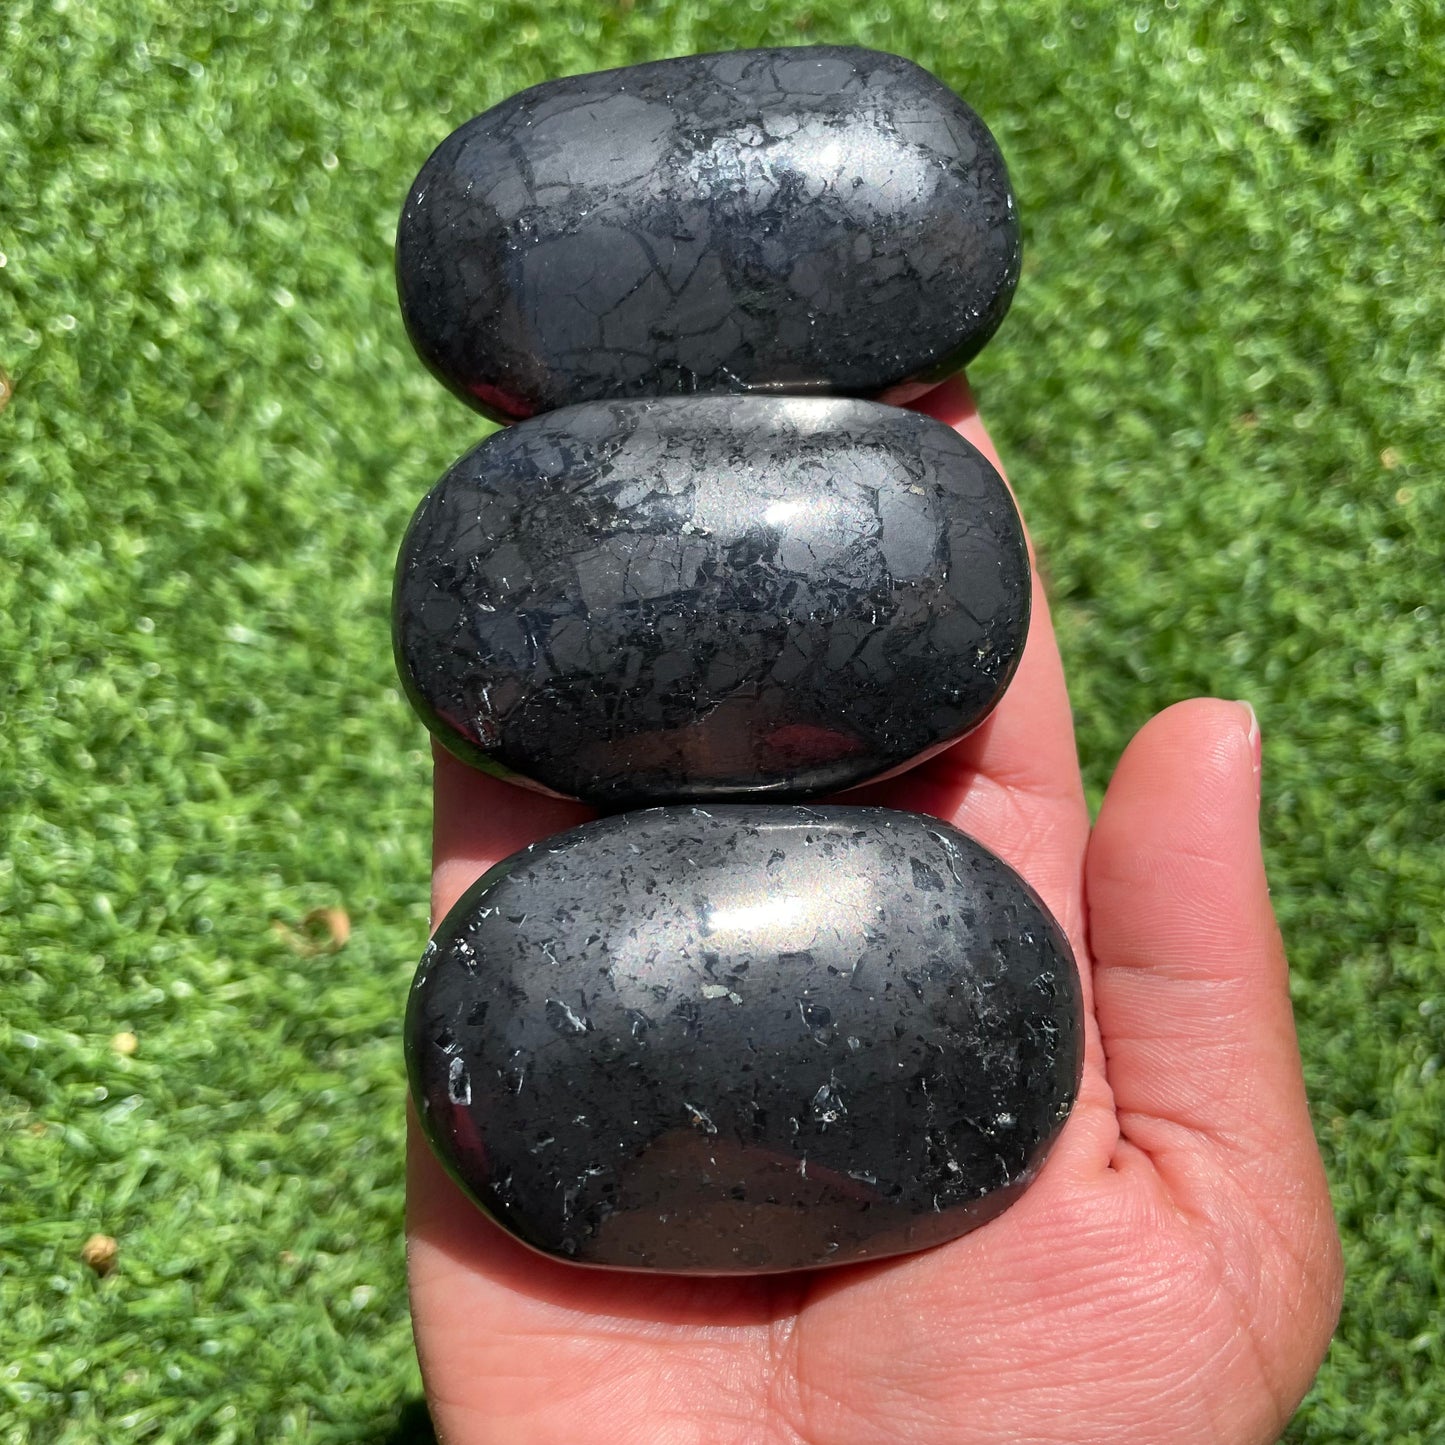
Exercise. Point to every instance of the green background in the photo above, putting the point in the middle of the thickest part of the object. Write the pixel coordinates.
(1219, 394)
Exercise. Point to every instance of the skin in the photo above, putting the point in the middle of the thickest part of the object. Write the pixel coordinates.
(1174, 1274)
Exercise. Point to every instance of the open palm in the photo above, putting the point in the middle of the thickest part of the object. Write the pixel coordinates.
(1174, 1273)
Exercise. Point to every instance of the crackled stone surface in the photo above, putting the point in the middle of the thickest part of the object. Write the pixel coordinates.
(810, 219)
(745, 1038)
(711, 597)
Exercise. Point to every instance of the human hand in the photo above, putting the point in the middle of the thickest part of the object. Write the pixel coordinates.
(1172, 1276)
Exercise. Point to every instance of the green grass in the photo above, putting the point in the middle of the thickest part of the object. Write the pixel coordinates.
(1220, 394)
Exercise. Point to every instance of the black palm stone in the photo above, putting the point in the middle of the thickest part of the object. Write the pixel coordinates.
(652, 601)
(817, 219)
(745, 1038)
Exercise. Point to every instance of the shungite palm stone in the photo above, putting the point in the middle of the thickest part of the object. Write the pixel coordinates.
(745, 1039)
(651, 601)
(812, 219)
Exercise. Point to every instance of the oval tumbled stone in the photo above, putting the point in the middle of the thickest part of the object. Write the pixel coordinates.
(821, 219)
(650, 601)
(745, 1038)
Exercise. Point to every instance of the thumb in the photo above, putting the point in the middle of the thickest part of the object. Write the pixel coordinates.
(1190, 982)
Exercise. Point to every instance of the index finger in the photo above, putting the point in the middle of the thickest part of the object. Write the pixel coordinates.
(1014, 782)
(477, 820)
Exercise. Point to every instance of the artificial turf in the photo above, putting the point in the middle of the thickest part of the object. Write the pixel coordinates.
(1220, 396)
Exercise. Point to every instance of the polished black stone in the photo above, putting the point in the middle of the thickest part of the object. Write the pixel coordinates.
(811, 219)
(746, 1038)
(704, 597)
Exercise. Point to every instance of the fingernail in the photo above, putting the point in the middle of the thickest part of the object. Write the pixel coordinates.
(1256, 742)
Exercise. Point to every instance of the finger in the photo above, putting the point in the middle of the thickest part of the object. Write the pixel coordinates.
(477, 820)
(1192, 998)
(1190, 980)
(1015, 779)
